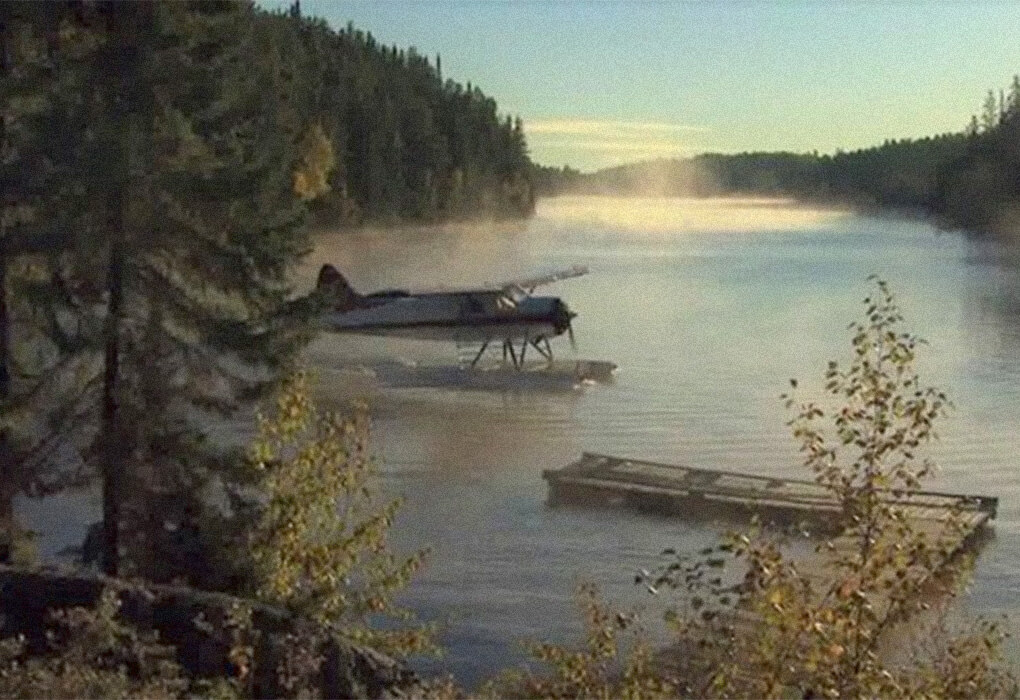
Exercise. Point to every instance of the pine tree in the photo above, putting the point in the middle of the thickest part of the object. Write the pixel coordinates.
(159, 158)
(989, 112)
(8, 460)
(973, 128)
(200, 226)
(1013, 100)
(39, 395)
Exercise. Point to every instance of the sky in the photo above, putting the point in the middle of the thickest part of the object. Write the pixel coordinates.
(603, 82)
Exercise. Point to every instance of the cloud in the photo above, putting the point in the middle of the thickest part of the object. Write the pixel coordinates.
(601, 142)
(603, 127)
(612, 145)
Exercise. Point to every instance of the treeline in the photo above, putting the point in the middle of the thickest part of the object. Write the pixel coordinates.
(980, 188)
(903, 173)
(969, 179)
(409, 144)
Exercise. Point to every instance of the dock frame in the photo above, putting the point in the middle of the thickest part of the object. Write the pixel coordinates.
(670, 489)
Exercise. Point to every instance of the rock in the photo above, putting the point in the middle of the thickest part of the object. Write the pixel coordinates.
(27, 596)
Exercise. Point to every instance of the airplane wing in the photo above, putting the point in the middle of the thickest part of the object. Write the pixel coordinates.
(529, 284)
(514, 288)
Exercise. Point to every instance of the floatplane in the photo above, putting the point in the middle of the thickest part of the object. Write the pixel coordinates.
(507, 315)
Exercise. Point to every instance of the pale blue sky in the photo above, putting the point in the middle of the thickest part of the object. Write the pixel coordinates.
(603, 82)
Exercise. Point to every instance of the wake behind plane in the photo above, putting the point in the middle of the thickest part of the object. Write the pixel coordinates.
(507, 314)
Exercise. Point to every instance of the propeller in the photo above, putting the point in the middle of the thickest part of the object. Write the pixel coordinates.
(565, 322)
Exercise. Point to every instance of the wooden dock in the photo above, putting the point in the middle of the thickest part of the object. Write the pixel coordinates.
(956, 521)
(669, 489)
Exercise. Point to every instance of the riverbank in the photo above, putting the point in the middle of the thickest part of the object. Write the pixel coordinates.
(201, 629)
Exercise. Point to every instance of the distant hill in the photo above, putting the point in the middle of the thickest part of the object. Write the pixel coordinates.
(895, 174)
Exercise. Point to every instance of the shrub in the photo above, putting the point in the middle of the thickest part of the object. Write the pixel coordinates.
(773, 630)
(316, 533)
(90, 654)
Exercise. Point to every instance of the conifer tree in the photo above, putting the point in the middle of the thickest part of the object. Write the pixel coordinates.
(200, 225)
(1013, 100)
(159, 161)
(973, 129)
(8, 460)
(38, 401)
(989, 112)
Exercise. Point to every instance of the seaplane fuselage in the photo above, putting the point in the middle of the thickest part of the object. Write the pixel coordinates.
(473, 316)
(463, 317)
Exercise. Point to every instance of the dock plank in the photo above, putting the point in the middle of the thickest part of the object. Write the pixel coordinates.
(682, 490)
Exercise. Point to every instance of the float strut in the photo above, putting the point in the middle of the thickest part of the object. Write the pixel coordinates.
(508, 346)
(479, 355)
(545, 352)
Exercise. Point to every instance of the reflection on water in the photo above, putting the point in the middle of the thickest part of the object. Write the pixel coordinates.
(707, 330)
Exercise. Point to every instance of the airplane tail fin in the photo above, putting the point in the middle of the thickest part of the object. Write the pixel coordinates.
(335, 288)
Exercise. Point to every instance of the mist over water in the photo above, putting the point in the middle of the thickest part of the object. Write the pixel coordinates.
(709, 307)
(670, 216)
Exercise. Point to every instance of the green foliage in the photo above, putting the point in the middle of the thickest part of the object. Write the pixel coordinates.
(91, 654)
(316, 532)
(160, 160)
(828, 635)
(17, 544)
(148, 226)
(180, 176)
(979, 189)
(39, 393)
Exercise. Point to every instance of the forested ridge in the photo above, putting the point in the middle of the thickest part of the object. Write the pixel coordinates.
(409, 144)
(898, 173)
(968, 179)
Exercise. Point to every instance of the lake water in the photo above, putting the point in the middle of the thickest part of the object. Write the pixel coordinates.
(709, 308)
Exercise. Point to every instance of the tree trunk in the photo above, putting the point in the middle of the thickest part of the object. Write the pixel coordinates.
(8, 465)
(8, 460)
(129, 26)
(122, 56)
(114, 461)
